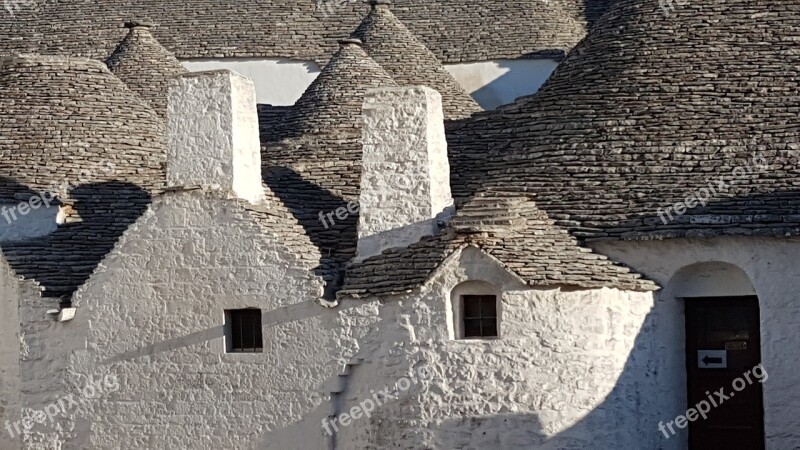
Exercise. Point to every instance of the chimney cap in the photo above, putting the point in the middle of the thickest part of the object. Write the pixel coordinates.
(144, 23)
(349, 41)
(380, 2)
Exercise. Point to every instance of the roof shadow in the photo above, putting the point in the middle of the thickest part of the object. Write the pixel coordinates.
(97, 215)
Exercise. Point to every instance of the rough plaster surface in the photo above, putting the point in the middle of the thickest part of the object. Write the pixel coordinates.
(10, 381)
(582, 369)
(772, 269)
(405, 181)
(573, 369)
(212, 134)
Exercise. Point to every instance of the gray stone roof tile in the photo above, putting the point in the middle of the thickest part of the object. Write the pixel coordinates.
(510, 228)
(144, 65)
(71, 128)
(312, 159)
(653, 108)
(455, 30)
(408, 61)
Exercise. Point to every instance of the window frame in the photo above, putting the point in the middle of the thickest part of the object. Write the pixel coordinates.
(234, 317)
(480, 318)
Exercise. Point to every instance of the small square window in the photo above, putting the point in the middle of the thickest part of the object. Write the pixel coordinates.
(480, 316)
(243, 331)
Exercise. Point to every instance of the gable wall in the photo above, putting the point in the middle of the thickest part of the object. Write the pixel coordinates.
(154, 315)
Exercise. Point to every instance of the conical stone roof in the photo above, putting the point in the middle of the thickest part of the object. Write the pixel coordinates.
(658, 105)
(144, 65)
(409, 61)
(69, 129)
(332, 103)
(312, 161)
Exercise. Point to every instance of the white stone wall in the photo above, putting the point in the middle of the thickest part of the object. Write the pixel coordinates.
(15, 226)
(212, 133)
(405, 183)
(771, 265)
(154, 319)
(573, 369)
(500, 82)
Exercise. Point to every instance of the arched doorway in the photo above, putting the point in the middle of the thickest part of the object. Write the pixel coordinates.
(723, 357)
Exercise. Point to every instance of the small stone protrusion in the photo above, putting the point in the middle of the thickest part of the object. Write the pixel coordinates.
(350, 41)
(139, 23)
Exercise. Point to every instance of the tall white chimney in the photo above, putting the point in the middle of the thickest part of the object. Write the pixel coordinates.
(405, 185)
(212, 133)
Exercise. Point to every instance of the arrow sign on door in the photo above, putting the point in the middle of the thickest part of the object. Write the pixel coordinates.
(712, 359)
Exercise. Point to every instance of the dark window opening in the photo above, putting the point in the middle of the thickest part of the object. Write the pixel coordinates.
(480, 316)
(243, 331)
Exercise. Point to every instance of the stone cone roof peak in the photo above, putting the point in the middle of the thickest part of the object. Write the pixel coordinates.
(404, 57)
(334, 100)
(145, 65)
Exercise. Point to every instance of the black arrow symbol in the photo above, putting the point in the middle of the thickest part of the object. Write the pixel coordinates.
(708, 360)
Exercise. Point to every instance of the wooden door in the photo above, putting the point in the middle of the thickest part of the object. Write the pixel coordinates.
(722, 344)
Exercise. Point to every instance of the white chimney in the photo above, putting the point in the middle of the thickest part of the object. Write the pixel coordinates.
(212, 133)
(405, 185)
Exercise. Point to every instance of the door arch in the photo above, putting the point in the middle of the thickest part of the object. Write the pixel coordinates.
(723, 356)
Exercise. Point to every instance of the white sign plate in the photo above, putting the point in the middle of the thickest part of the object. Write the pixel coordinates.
(712, 359)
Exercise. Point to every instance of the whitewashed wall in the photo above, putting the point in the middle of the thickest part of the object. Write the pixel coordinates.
(574, 369)
(10, 382)
(771, 265)
(491, 83)
(37, 222)
(154, 315)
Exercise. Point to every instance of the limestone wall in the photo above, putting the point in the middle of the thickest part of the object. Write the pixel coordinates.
(771, 265)
(573, 369)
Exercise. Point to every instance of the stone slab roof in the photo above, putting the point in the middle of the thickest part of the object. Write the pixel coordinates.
(144, 65)
(510, 228)
(312, 156)
(455, 30)
(408, 61)
(651, 109)
(69, 128)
